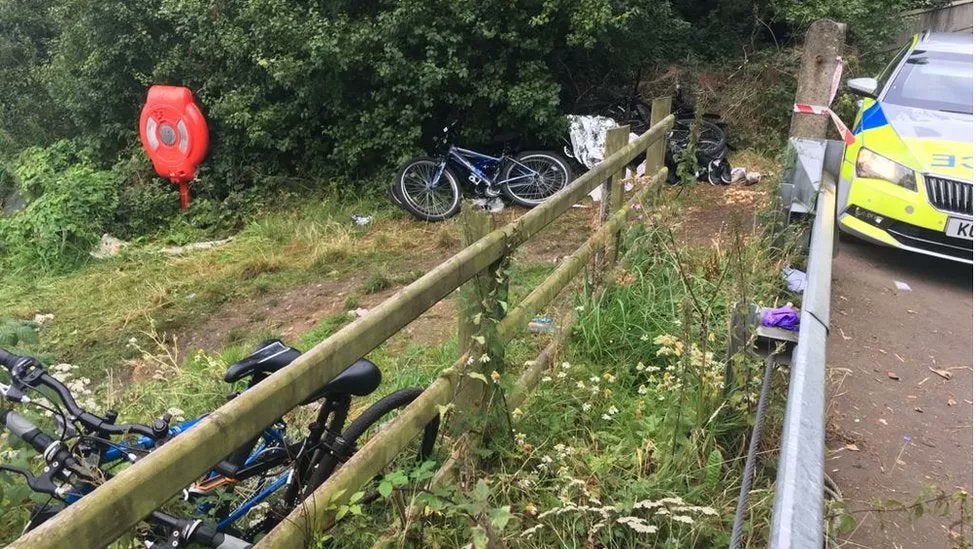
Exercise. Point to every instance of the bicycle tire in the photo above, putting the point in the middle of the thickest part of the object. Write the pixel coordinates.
(557, 175)
(412, 190)
(710, 141)
(372, 416)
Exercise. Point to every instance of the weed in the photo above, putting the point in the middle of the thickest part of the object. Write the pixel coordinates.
(377, 282)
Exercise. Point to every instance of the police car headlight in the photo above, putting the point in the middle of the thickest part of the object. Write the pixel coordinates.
(873, 165)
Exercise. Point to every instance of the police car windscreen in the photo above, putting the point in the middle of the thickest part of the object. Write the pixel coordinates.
(933, 80)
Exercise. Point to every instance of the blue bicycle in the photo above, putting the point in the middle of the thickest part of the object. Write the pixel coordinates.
(246, 494)
(430, 188)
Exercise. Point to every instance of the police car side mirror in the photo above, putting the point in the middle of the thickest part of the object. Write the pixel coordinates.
(866, 87)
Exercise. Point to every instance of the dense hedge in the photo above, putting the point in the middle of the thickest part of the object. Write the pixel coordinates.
(309, 89)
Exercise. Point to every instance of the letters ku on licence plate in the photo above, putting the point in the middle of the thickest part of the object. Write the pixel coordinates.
(959, 228)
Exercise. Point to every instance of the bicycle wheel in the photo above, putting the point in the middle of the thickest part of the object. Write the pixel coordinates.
(427, 198)
(710, 141)
(376, 418)
(534, 177)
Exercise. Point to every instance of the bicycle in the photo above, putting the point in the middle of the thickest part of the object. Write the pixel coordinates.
(429, 187)
(270, 466)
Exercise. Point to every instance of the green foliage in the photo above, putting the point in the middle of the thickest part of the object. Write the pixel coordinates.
(14, 332)
(72, 201)
(342, 89)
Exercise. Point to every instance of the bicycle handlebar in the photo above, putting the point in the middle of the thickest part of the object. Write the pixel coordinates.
(29, 371)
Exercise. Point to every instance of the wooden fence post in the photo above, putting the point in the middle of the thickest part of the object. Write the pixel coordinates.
(654, 160)
(471, 392)
(613, 192)
(481, 305)
(822, 47)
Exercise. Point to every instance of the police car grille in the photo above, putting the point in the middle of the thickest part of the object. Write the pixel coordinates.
(949, 195)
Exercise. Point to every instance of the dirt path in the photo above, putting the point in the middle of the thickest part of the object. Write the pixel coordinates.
(895, 425)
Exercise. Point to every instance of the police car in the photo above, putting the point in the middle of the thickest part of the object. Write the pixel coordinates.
(907, 180)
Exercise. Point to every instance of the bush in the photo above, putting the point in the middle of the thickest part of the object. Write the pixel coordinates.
(68, 207)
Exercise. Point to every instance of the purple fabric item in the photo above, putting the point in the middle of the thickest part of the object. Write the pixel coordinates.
(785, 317)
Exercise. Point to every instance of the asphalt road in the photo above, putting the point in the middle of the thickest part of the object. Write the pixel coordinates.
(895, 425)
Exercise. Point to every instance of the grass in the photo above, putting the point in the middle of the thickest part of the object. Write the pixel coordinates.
(639, 436)
(630, 439)
(313, 244)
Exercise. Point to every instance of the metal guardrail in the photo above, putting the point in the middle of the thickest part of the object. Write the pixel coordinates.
(798, 505)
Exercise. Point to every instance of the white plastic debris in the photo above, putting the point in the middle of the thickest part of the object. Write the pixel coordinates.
(108, 246)
(180, 250)
(362, 220)
(493, 205)
(42, 319)
(796, 280)
(902, 286)
(738, 175)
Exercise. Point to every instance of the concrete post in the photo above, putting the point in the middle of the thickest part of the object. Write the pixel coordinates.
(823, 44)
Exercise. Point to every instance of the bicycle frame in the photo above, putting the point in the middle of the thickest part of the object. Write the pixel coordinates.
(271, 436)
(462, 156)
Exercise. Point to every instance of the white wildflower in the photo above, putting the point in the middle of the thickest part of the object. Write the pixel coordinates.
(566, 365)
(561, 375)
(580, 385)
(587, 406)
(546, 379)
(595, 379)
(485, 359)
(638, 525)
(642, 390)
(683, 518)
(529, 531)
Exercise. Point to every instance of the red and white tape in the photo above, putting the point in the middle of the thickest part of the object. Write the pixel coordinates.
(842, 129)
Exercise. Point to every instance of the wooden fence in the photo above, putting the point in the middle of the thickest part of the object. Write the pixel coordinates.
(484, 329)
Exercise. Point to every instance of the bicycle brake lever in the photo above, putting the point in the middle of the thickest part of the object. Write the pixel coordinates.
(41, 484)
(14, 393)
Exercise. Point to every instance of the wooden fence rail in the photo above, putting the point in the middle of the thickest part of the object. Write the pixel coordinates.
(112, 509)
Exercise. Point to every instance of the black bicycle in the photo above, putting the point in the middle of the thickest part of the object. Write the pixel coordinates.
(246, 494)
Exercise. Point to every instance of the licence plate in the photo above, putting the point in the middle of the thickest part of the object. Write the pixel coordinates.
(959, 228)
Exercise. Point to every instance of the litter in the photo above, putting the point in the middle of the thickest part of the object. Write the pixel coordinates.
(542, 325)
(785, 317)
(493, 205)
(902, 286)
(358, 313)
(796, 280)
(742, 176)
(180, 250)
(588, 136)
(362, 219)
(108, 246)
(42, 319)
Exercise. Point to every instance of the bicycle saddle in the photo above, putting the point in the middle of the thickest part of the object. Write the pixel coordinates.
(360, 378)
